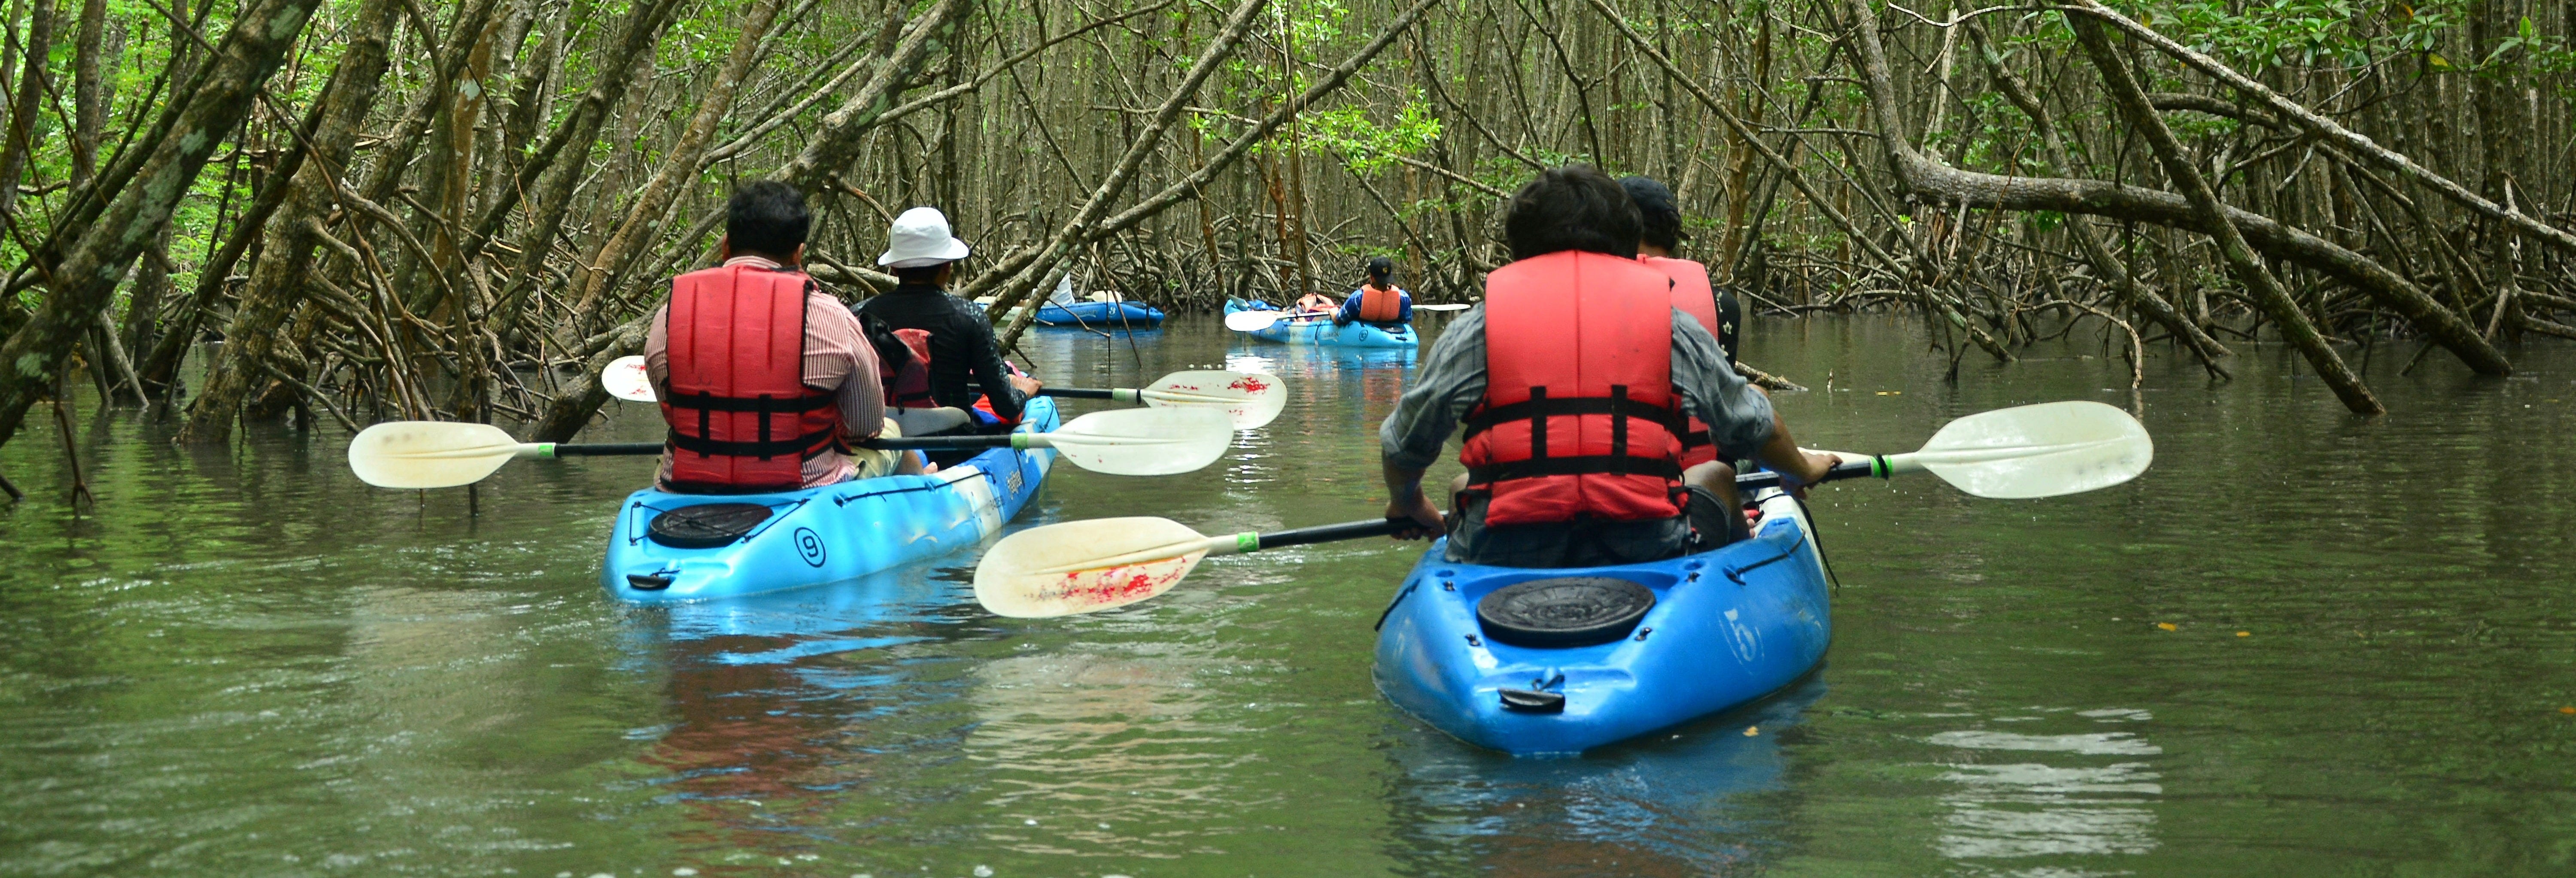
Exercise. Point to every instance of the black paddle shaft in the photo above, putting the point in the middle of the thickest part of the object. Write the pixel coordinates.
(606, 449)
(1349, 530)
(1859, 469)
(1077, 392)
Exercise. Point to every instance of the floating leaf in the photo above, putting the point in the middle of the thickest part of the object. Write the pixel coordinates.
(2169, 626)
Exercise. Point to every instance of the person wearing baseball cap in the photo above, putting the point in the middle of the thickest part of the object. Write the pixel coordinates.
(965, 359)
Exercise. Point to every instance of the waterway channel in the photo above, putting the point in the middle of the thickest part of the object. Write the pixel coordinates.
(2300, 644)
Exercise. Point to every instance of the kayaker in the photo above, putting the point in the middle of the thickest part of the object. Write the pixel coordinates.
(1714, 309)
(1603, 482)
(964, 357)
(1316, 303)
(766, 380)
(1378, 300)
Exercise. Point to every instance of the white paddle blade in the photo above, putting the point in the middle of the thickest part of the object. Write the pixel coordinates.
(625, 379)
(2043, 450)
(1249, 400)
(1252, 321)
(1084, 566)
(1146, 441)
(1442, 307)
(429, 454)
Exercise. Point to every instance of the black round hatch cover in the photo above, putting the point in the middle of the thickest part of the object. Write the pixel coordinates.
(706, 526)
(1562, 613)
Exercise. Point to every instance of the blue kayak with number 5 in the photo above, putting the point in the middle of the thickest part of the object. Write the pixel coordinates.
(1564, 660)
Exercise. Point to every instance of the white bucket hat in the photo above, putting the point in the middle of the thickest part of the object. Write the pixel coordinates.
(920, 239)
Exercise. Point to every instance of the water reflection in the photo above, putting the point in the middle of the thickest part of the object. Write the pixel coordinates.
(2067, 806)
(1704, 799)
(785, 709)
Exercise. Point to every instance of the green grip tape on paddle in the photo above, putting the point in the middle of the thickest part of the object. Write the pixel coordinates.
(546, 449)
(1020, 441)
(1247, 541)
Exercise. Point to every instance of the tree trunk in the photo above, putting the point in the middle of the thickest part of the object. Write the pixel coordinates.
(84, 283)
(89, 106)
(276, 283)
(2239, 255)
(23, 109)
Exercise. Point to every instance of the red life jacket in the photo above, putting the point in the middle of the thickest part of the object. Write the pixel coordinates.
(1380, 305)
(1695, 297)
(1580, 418)
(908, 386)
(742, 420)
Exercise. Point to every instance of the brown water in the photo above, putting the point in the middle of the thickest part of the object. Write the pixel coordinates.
(247, 663)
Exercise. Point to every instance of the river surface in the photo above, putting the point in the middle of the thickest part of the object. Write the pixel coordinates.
(2300, 644)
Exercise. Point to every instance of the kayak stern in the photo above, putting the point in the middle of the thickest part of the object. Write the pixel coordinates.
(1727, 627)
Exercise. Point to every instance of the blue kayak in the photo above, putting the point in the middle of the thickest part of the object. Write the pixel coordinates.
(1321, 331)
(1099, 315)
(825, 534)
(1725, 627)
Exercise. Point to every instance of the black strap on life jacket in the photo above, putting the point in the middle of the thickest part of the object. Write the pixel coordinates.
(802, 447)
(1574, 466)
(1539, 407)
(763, 406)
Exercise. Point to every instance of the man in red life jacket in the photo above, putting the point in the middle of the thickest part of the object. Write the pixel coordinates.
(766, 380)
(1574, 378)
(1714, 309)
(1378, 300)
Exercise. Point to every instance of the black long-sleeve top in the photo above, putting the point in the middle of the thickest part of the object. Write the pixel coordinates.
(963, 352)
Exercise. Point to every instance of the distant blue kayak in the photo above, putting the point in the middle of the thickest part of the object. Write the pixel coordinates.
(1725, 627)
(1321, 331)
(821, 535)
(1099, 315)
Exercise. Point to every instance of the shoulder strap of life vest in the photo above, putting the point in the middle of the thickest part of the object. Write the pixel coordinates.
(1692, 292)
(1380, 304)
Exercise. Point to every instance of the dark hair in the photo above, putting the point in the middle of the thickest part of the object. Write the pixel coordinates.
(1575, 207)
(767, 217)
(921, 274)
(1380, 268)
(1663, 219)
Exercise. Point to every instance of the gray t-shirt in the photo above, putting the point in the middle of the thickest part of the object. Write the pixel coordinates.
(1451, 381)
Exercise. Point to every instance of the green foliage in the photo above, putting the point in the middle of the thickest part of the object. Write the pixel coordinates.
(1366, 145)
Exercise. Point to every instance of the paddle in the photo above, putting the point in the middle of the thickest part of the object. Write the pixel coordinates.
(2026, 452)
(1127, 442)
(1249, 399)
